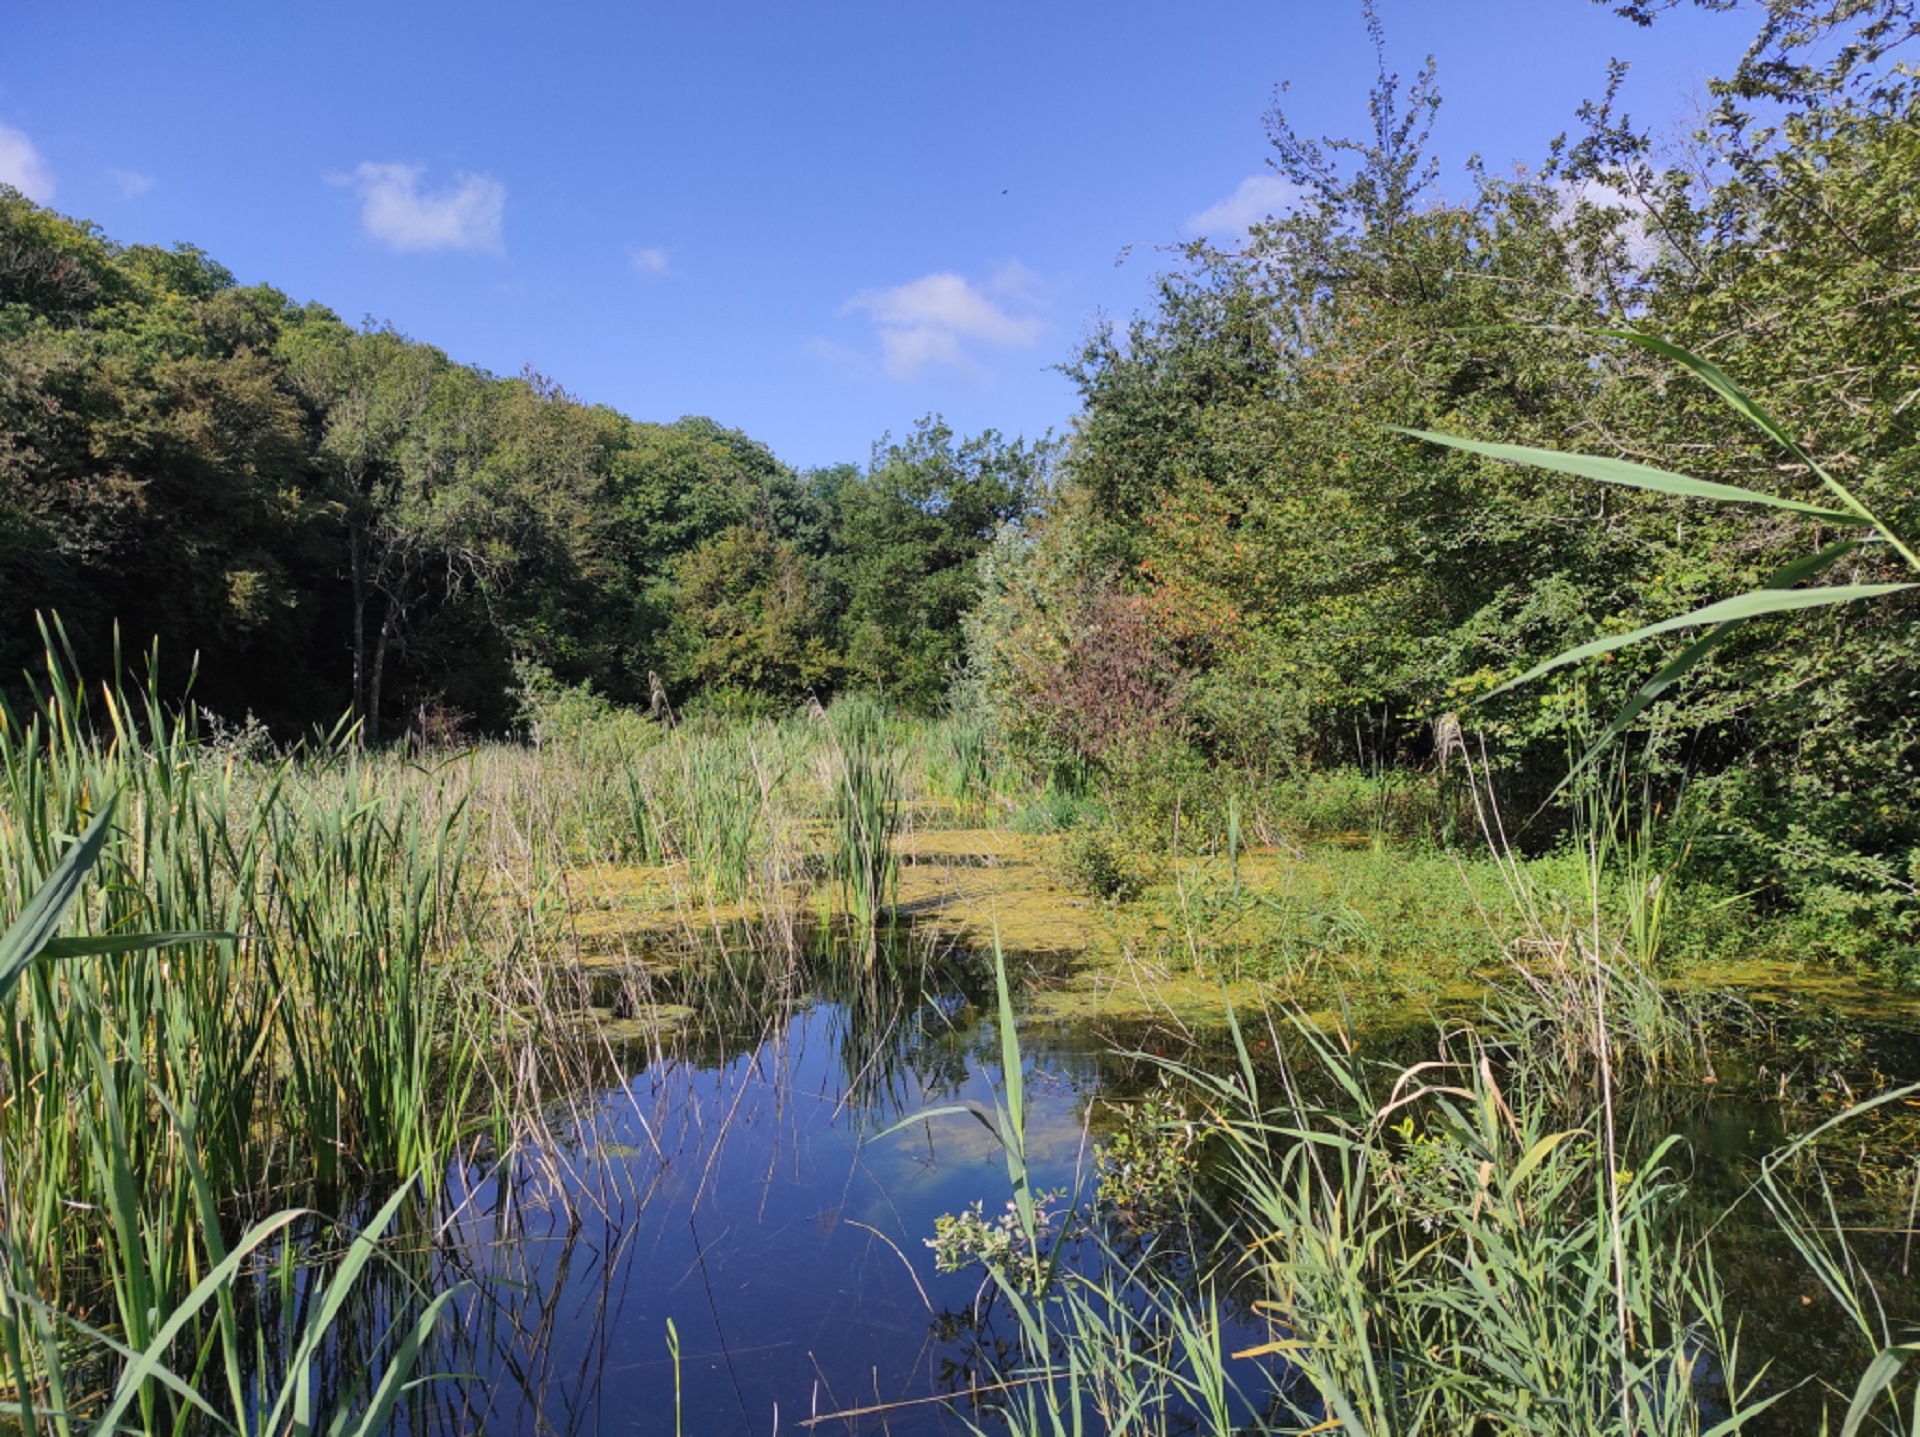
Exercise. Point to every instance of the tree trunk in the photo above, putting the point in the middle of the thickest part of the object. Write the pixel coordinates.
(379, 669)
(357, 567)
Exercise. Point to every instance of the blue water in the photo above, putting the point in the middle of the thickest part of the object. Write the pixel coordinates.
(769, 1205)
(765, 1200)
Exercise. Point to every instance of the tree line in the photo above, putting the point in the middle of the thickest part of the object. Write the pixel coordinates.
(1237, 563)
(325, 519)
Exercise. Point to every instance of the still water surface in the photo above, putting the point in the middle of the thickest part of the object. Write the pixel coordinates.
(765, 1200)
(769, 1202)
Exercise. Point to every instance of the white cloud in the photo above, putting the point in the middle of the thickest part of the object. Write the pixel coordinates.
(648, 260)
(22, 167)
(130, 183)
(928, 322)
(395, 212)
(1643, 247)
(1256, 198)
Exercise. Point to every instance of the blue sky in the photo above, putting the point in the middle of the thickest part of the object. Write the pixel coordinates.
(814, 221)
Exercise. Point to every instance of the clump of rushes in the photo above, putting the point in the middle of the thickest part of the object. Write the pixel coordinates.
(1431, 1252)
(863, 814)
(967, 760)
(306, 1035)
(957, 762)
(719, 816)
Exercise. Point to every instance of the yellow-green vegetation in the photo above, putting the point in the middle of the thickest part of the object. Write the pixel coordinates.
(373, 966)
(1335, 914)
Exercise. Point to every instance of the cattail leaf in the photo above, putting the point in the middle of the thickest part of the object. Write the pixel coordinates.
(1676, 668)
(126, 943)
(1631, 475)
(28, 936)
(1741, 606)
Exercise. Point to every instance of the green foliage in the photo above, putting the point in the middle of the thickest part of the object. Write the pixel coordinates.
(1000, 1244)
(1404, 805)
(1095, 860)
(1303, 573)
(910, 533)
(1054, 811)
(744, 619)
(267, 999)
(345, 519)
(1149, 1162)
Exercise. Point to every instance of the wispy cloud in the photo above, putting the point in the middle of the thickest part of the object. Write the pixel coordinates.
(930, 322)
(130, 183)
(1256, 198)
(1642, 239)
(650, 259)
(22, 167)
(395, 212)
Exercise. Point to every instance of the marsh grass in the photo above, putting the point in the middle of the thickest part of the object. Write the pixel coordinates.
(1440, 1253)
(955, 763)
(1430, 1250)
(362, 993)
(1455, 1247)
(864, 814)
(407, 992)
(45, 1349)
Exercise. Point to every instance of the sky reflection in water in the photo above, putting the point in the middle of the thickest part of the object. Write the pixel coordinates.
(758, 1202)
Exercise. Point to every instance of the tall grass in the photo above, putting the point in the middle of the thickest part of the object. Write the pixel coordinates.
(1458, 1247)
(1444, 1254)
(312, 1031)
(863, 814)
(37, 1355)
(1431, 1250)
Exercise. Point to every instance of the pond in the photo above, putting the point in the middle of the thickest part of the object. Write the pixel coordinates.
(734, 1235)
(770, 1195)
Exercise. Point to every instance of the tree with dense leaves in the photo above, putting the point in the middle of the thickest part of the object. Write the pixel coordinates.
(910, 535)
(1331, 587)
(337, 518)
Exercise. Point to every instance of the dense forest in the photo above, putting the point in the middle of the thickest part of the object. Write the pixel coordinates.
(1247, 563)
(328, 520)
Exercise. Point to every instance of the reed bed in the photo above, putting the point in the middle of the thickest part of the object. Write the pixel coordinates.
(314, 998)
(269, 1003)
(864, 811)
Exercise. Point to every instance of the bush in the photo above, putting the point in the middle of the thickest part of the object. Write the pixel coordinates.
(1097, 861)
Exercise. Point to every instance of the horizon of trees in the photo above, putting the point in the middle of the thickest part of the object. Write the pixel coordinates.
(1245, 543)
(320, 520)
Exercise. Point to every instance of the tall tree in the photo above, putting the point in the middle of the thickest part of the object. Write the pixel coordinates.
(911, 533)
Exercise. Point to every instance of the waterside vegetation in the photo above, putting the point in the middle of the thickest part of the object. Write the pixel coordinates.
(1300, 695)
